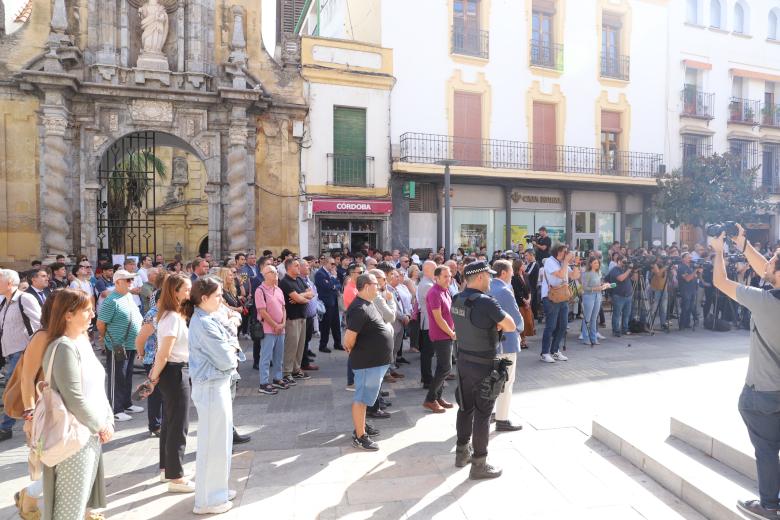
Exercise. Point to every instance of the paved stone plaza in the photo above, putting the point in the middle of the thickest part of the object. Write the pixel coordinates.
(300, 462)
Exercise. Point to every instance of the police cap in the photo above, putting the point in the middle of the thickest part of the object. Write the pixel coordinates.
(477, 267)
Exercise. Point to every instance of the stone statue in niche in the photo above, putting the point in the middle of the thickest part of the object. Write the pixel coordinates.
(154, 27)
(179, 180)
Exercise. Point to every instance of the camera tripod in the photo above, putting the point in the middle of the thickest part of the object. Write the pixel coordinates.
(640, 306)
(654, 314)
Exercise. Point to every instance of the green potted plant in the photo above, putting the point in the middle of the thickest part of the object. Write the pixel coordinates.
(769, 112)
(735, 109)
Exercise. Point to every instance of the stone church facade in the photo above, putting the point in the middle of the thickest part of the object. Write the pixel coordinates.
(87, 85)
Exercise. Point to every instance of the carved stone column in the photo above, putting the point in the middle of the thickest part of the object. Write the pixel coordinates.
(236, 176)
(55, 210)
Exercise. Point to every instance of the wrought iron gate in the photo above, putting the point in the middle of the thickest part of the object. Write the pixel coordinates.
(126, 201)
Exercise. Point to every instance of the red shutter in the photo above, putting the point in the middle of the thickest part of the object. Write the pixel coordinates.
(610, 121)
(467, 138)
(544, 145)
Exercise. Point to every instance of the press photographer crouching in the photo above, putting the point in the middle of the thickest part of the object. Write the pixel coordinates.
(759, 403)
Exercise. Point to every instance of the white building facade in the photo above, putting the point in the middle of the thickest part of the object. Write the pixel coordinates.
(724, 90)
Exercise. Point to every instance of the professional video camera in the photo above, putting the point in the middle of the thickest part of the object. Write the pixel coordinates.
(532, 238)
(639, 263)
(729, 226)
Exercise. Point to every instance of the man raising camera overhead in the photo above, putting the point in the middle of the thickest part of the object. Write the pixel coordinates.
(542, 245)
(759, 403)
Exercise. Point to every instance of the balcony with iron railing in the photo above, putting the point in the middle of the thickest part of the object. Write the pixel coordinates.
(546, 54)
(350, 171)
(743, 111)
(470, 42)
(615, 66)
(696, 103)
(516, 155)
(770, 115)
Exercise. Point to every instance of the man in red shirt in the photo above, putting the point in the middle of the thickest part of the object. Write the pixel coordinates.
(441, 331)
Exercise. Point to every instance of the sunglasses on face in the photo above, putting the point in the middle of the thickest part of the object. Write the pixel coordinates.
(87, 266)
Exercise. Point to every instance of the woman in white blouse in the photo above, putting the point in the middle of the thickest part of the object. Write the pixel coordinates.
(171, 373)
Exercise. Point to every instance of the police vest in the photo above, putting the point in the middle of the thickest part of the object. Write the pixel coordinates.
(472, 340)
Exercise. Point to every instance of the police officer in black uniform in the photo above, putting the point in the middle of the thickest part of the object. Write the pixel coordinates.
(478, 319)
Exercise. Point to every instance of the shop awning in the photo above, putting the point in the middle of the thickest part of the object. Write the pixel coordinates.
(383, 207)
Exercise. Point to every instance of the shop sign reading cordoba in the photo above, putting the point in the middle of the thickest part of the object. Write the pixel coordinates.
(352, 206)
(539, 199)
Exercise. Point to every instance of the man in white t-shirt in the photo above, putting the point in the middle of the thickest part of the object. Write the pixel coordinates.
(146, 264)
(136, 283)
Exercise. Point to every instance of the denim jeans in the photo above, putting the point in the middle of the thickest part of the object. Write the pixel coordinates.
(215, 440)
(556, 317)
(590, 319)
(10, 362)
(686, 309)
(659, 306)
(761, 413)
(272, 349)
(621, 313)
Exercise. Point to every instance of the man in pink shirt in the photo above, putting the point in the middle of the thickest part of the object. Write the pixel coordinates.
(441, 331)
(269, 301)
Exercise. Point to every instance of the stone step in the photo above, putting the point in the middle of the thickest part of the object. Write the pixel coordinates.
(732, 448)
(707, 485)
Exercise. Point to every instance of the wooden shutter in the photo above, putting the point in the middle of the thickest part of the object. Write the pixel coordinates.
(544, 145)
(349, 146)
(610, 121)
(467, 138)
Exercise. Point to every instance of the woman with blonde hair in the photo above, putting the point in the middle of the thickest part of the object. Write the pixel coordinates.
(79, 378)
(227, 275)
(171, 374)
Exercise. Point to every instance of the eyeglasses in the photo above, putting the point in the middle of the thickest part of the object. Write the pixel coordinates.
(87, 266)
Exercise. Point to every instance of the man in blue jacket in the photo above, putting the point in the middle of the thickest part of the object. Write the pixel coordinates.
(328, 287)
(501, 290)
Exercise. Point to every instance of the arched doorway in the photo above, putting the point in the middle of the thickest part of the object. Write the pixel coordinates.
(152, 197)
(204, 247)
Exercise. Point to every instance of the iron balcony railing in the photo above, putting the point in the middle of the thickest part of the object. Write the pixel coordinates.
(615, 66)
(493, 153)
(546, 54)
(696, 103)
(770, 115)
(350, 170)
(744, 110)
(471, 42)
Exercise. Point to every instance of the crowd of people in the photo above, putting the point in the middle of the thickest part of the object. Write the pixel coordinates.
(183, 323)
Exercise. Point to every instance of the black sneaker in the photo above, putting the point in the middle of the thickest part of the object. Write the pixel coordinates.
(267, 390)
(290, 380)
(754, 509)
(301, 375)
(5, 435)
(325, 350)
(364, 442)
(371, 431)
(402, 360)
(281, 385)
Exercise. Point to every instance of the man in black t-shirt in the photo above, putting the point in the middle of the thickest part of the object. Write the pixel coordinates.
(543, 245)
(369, 341)
(296, 297)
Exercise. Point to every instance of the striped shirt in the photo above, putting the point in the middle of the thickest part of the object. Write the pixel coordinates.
(117, 312)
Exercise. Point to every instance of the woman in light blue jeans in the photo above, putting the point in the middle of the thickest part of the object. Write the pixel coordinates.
(213, 362)
(591, 301)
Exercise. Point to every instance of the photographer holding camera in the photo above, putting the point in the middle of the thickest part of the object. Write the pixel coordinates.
(688, 283)
(759, 403)
(622, 295)
(542, 245)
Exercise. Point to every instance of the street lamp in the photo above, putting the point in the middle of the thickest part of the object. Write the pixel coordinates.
(447, 202)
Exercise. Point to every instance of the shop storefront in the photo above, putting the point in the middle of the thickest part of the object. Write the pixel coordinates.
(348, 223)
(593, 218)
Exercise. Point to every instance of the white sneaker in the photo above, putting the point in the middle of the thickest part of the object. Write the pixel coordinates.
(581, 338)
(559, 357)
(599, 336)
(547, 358)
(350, 388)
(134, 409)
(122, 417)
(232, 494)
(213, 510)
(181, 487)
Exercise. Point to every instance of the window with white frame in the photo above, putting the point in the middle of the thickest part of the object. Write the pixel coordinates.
(739, 18)
(715, 14)
(774, 18)
(692, 11)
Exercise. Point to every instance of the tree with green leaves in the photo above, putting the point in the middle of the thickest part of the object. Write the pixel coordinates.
(709, 189)
(128, 185)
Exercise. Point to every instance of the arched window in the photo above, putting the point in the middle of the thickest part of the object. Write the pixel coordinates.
(692, 13)
(739, 18)
(772, 34)
(715, 13)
